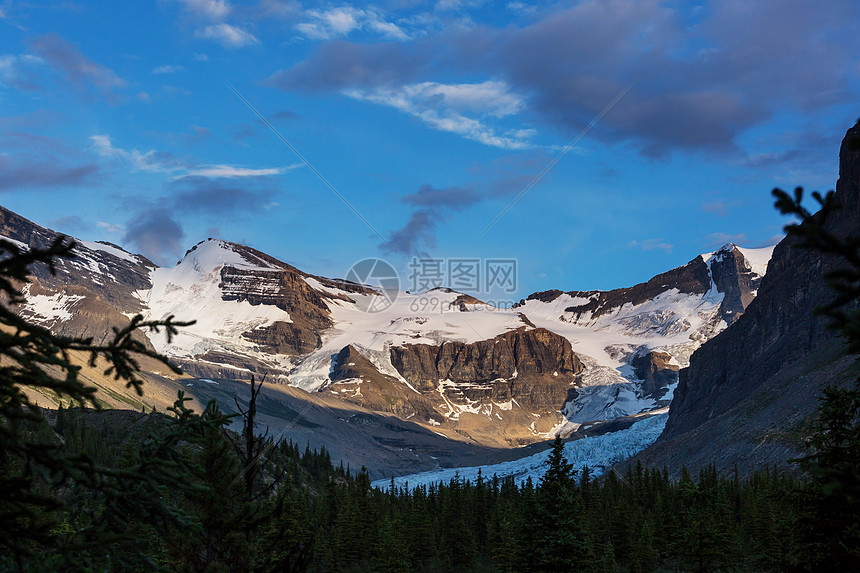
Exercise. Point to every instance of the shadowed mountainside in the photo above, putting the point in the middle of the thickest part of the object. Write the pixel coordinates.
(749, 392)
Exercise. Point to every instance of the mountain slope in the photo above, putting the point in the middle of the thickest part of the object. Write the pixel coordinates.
(440, 359)
(749, 392)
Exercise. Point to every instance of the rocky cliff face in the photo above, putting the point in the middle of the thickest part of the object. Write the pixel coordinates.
(535, 367)
(748, 390)
(779, 326)
(733, 276)
(356, 380)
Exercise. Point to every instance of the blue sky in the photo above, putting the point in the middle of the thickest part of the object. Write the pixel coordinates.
(117, 123)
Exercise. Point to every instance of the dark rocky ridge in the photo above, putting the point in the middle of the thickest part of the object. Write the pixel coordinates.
(779, 326)
(765, 370)
(115, 282)
(735, 279)
(730, 272)
(103, 284)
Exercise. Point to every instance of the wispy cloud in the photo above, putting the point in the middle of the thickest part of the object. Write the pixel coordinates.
(651, 245)
(113, 228)
(151, 161)
(195, 194)
(231, 171)
(164, 162)
(78, 69)
(197, 134)
(217, 20)
(432, 205)
(215, 10)
(19, 71)
(28, 173)
(448, 107)
(30, 161)
(167, 70)
(227, 35)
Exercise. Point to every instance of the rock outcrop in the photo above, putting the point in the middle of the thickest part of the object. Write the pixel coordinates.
(356, 380)
(536, 367)
(283, 286)
(656, 371)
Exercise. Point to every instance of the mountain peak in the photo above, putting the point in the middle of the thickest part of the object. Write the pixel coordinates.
(212, 253)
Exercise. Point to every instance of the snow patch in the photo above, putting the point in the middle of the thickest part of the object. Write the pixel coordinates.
(109, 249)
(757, 259)
(48, 309)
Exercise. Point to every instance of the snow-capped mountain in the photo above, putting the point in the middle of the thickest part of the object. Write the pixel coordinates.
(634, 340)
(456, 365)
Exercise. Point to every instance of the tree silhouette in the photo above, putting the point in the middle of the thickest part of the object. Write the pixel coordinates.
(39, 476)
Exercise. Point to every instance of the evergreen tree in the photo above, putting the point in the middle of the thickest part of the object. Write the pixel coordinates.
(563, 542)
(392, 554)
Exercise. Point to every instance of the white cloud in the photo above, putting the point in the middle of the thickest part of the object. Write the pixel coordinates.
(201, 57)
(521, 7)
(227, 35)
(215, 10)
(9, 61)
(144, 97)
(219, 171)
(452, 107)
(339, 22)
(151, 161)
(167, 70)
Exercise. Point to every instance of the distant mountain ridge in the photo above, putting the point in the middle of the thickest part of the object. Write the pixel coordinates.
(473, 372)
(727, 269)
